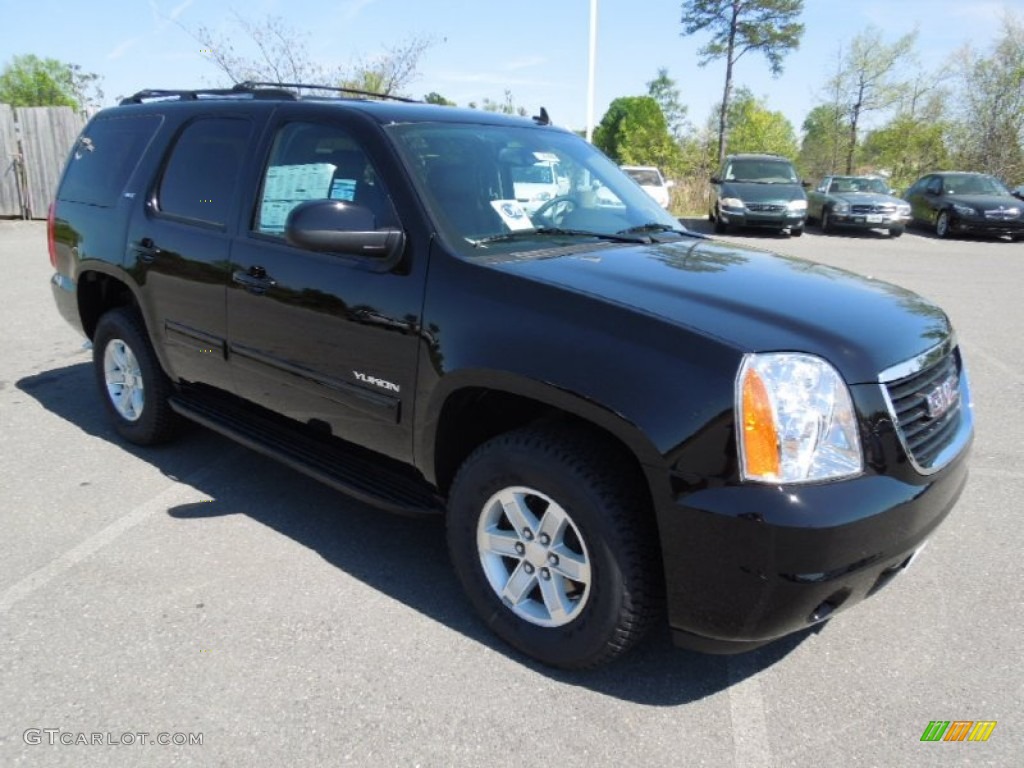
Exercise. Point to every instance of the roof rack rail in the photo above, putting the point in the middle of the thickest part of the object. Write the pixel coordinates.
(255, 84)
(193, 94)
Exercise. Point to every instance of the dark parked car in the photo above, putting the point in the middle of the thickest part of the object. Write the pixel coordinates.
(859, 202)
(953, 202)
(614, 415)
(758, 191)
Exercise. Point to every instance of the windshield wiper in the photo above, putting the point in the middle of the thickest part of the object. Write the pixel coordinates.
(521, 234)
(652, 226)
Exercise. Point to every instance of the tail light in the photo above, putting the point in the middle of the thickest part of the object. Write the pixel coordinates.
(51, 241)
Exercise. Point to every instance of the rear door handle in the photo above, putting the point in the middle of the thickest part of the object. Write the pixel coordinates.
(255, 280)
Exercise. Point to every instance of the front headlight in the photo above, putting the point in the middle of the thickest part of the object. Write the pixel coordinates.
(797, 205)
(841, 208)
(903, 209)
(795, 420)
(964, 210)
(731, 202)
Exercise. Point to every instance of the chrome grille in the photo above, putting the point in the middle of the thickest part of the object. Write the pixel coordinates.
(1002, 214)
(924, 434)
(765, 207)
(863, 208)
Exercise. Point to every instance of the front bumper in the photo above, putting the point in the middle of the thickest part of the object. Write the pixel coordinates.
(768, 219)
(978, 226)
(869, 220)
(748, 563)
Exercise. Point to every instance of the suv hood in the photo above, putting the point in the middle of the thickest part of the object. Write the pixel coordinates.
(753, 300)
(866, 198)
(755, 192)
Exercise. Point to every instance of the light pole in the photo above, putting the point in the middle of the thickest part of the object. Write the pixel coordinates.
(590, 74)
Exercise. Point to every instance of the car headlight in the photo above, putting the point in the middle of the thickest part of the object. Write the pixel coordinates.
(795, 420)
(797, 205)
(841, 208)
(903, 209)
(964, 210)
(731, 202)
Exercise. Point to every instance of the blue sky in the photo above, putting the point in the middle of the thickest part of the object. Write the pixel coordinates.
(535, 48)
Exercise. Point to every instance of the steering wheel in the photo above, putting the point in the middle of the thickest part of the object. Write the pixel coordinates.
(554, 211)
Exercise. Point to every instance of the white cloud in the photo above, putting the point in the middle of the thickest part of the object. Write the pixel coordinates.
(180, 9)
(524, 62)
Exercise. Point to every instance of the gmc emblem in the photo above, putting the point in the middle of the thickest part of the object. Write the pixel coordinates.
(943, 397)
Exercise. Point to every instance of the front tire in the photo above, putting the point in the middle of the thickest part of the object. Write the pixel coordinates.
(896, 231)
(796, 231)
(826, 223)
(721, 228)
(942, 225)
(135, 390)
(553, 545)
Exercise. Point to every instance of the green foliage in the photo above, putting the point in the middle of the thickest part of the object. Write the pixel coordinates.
(987, 132)
(769, 27)
(436, 98)
(28, 81)
(664, 91)
(825, 143)
(755, 128)
(907, 148)
(633, 132)
(506, 107)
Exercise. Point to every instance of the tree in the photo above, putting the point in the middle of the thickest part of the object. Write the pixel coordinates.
(280, 56)
(907, 148)
(755, 128)
(506, 107)
(436, 98)
(633, 132)
(988, 128)
(28, 81)
(823, 147)
(739, 26)
(868, 79)
(664, 91)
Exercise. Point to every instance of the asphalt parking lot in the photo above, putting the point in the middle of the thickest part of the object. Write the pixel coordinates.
(199, 588)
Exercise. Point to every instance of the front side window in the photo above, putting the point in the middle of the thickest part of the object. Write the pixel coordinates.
(506, 187)
(312, 161)
(201, 177)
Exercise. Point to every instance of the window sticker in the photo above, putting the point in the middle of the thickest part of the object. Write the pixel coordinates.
(287, 186)
(512, 214)
(343, 189)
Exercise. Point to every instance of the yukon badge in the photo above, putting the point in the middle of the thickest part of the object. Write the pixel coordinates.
(376, 382)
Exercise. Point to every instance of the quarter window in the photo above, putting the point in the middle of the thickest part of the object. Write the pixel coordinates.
(104, 158)
(201, 177)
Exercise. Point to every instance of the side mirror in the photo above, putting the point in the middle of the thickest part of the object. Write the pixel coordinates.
(805, 184)
(669, 183)
(341, 227)
(716, 180)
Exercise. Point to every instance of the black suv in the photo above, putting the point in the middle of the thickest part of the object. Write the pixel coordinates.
(758, 191)
(615, 415)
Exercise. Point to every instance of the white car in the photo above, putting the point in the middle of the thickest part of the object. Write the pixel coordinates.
(653, 183)
(538, 183)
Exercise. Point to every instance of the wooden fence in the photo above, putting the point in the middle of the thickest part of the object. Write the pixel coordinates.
(34, 144)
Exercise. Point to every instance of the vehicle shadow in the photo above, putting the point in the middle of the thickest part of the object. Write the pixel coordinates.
(403, 558)
(705, 227)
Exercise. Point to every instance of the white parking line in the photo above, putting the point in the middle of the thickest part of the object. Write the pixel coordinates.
(179, 493)
(751, 748)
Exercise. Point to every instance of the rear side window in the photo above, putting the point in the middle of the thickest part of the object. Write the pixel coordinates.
(201, 175)
(104, 158)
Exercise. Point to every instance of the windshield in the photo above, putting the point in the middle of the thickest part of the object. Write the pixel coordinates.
(974, 184)
(845, 184)
(644, 176)
(764, 171)
(518, 188)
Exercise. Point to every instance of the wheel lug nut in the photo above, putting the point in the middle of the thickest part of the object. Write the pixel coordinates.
(545, 574)
(545, 539)
(553, 559)
(528, 568)
(527, 534)
(520, 549)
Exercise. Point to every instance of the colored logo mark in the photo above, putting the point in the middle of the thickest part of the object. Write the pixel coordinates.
(958, 730)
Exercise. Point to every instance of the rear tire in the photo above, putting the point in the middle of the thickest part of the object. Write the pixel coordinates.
(539, 493)
(826, 223)
(796, 231)
(135, 390)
